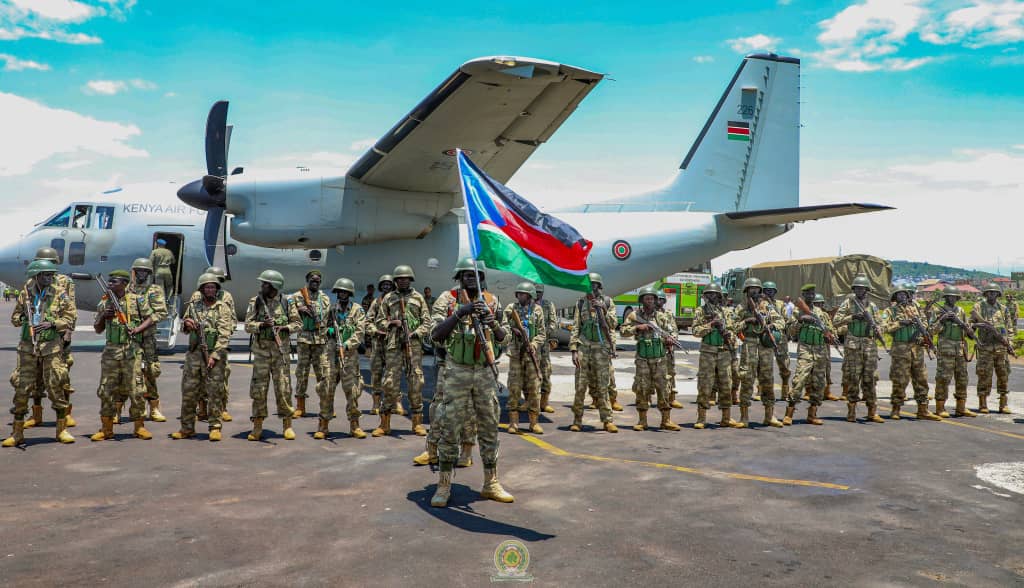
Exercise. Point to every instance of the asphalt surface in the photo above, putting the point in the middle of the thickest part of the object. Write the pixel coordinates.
(845, 504)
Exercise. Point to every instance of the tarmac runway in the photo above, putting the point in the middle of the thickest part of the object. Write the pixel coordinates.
(901, 503)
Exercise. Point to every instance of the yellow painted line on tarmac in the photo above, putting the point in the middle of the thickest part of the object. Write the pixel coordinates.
(687, 470)
(913, 416)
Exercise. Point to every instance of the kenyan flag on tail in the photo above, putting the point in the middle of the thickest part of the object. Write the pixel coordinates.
(738, 131)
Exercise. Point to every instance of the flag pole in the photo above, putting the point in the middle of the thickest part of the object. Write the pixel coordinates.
(469, 225)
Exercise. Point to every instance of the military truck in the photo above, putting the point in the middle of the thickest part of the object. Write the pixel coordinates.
(682, 290)
(832, 275)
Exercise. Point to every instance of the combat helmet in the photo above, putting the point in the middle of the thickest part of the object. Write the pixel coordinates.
(538, 287)
(385, 278)
(596, 277)
(527, 288)
(712, 287)
(344, 284)
(992, 287)
(819, 298)
(208, 278)
(272, 277)
(902, 288)
(47, 253)
(951, 290)
(217, 271)
(404, 271)
(142, 263)
(861, 281)
(651, 290)
(770, 285)
(751, 283)
(466, 264)
(40, 266)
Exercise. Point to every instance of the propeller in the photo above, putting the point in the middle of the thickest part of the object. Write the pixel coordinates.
(210, 192)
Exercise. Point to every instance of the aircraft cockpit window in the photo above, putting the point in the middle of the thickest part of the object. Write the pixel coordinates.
(60, 220)
(104, 217)
(80, 219)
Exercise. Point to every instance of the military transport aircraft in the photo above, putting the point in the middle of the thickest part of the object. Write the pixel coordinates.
(738, 186)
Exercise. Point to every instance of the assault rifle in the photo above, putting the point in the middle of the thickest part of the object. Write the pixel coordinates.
(193, 314)
(526, 340)
(266, 313)
(761, 321)
(119, 313)
(922, 331)
(478, 330)
(602, 323)
(830, 337)
(406, 335)
(1000, 337)
(872, 325)
(660, 332)
(34, 318)
(337, 337)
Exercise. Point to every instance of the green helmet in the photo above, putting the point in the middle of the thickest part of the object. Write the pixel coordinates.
(770, 285)
(40, 266)
(272, 277)
(385, 278)
(207, 278)
(466, 264)
(819, 298)
(217, 271)
(903, 288)
(47, 253)
(404, 271)
(712, 287)
(526, 288)
(142, 263)
(751, 283)
(862, 281)
(951, 290)
(538, 287)
(662, 296)
(645, 291)
(344, 284)
(992, 287)
(596, 277)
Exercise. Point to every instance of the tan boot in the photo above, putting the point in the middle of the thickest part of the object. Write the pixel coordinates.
(140, 430)
(492, 489)
(812, 416)
(399, 409)
(769, 418)
(577, 424)
(201, 413)
(384, 428)
(256, 434)
(300, 407)
(610, 427)
(926, 415)
(744, 417)
(894, 414)
(787, 420)
(465, 456)
(535, 427)
(513, 422)
(846, 393)
(376, 403)
(214, 435)
(289, 433)
(183, 434)
(154, 411)
(702, 417)
(226, 417)
(443, 491)
(616, 406)
(120, 405)
(106, 429)
(675, 403)
(641, 423)
(321, 431)
(851, 412)
(1004, 404)
(666, 421)
(873, 414)
(37, 417)
(429, 456)
(940, 409)
(417, 425)
(983, 404)
(354, 430)
(727, 419)
(829, 395)
(62, 432)
(785, 391)
(70, 419)
(545, 405)
(17, 435)
(962, 410)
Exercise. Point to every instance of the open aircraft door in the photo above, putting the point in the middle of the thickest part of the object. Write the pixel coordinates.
(167, 330)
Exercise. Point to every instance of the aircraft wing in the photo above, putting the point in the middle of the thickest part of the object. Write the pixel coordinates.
(799, 214)
(499, 109)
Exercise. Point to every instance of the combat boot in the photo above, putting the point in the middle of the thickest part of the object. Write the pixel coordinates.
(321, 431)
(384, 428)
(513, 422)
(641, 423)
(545, 400)
(417, 425)
(1004, 404)
(846, 393)
(926, 415)
(427, 457)
(354, 430)
(675, 403)
(940, 409)
(727, 419)
(300, 407)
(962, 410)
(851, 412)
(106, 429)
(744, 417)
(769, 417)
(616, 406)
(829, 395)
(812, 416)
(116, 419)
(183, 434)
(702, 417)
(788, 419)
(376, 403)
(214, 435)
(873, 414)
(983, 404)
(289, 433)
(894, 414)
(201, 413)
(70, 419)
(666, 421)
(610, 427)
(226, 417)
(465, 456)
(62, 432)
(140, 430)
(154, 411)
(17, 435)
(492, 487)
(257, 430)
(535, 427)
(37, 417)
(399, 410)
(443, 491)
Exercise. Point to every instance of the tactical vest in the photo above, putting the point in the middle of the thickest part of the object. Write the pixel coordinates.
(341, 318)
(209, 333)
(649, 345)
(589, 327)
(463, 347)
(811, 335)
(525, 318)
(904, 334)
(952, 331)
(310, 323)
(714, 338)
(279, 320)
(859, 328)
(47, 315)
(117, 334)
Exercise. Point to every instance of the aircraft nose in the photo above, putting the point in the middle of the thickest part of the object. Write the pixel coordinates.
(12, 269)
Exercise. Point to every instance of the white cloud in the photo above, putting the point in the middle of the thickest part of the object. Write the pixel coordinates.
(140, 84)
(104, 87)
(73, 164)
(68, 11)
(12, 63)
(44, 132)
(703, 58)
(758, 42)
(170, 94)
(891, 20)
(317, 159)
(363, 144)
(50, 19)
(981, 24)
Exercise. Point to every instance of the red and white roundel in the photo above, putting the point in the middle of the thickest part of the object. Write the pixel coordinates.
(622, 249)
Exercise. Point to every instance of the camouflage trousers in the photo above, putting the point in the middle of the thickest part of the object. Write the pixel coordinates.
(812, 362)
(523, 381)
(270, 362)
(199, 383)
(32, 372)
(150, 365)
(470, 393)
(992, 357)
(434, 433)
(312, 355)
(593, 373)
(756, 362)
(650, 378)
(782, 361)
(121, 381)
(395, 365)
(376, 364)
(545, 369)
(908, 367)
(41, 389)
(670, 375)
(734, 376)
(950, 366)
(860, 369)
(351, 381)
(714, 368)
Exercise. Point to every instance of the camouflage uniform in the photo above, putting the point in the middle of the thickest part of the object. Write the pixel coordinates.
(62, 284)
(523, 379)
(907, 355)
(651, 358)
(860, 353)
(594, 356)
(121, 364)
(270, 362)
(715, 362)
(229, 301)
(1011, 323)
(813, 358)
(417, 317)
(782, 355)
(154, 296)
(551, 327)
(376, 350)
(311, 343)
(951, 365)
(734, 361)
(991, 353)
(350, 324)
(45, 366)
(757, 355)
(217, 322)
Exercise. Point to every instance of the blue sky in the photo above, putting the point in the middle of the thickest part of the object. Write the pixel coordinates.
(914, 103)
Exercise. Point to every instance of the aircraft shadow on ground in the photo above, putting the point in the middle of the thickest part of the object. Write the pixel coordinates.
(460, 513)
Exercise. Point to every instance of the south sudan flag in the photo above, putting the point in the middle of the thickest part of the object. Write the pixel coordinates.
(738, 131)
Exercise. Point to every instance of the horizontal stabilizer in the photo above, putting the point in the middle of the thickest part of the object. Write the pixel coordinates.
(799, 214)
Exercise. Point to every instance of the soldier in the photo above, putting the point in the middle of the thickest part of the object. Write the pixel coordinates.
(142, 270)
(812, 331)
(861, 319)
(162, 260)
(951, 327)
(43, 314)
(762, 326)
(229, 301)
(713, 325)
(314, 308)
(551, 328)
(466, 324)
(1011, 323)
(651, 356)
(670, 362)
(269, 318)
(992, 321)
(209, 323)
(819, 302)
(385, 284)
(902, 320)
(525, 319)
(404, 317)
(592, 345)
(782, 353)
(123, 318)
(348, 321)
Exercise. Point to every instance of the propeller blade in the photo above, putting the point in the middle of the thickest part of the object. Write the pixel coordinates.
(214, 237)
(217, 139)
